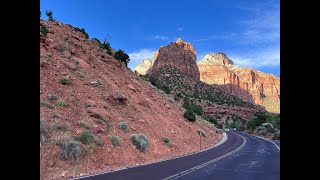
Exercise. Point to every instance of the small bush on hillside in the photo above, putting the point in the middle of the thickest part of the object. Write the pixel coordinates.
(253, 123)
(52, 97)
(115, 140)
(123, 125)
(86, 137)
(140, 141)
(233, 125)
(60, 127)
(71, 149)
(65, 80)
(49, 14)
(211, 119)
(167, 141)
(54, 115)
(84, 32)
(96, 39)
(202, 133)
(190, 115)
(84, 125)
(62, 103)
(44, 30)
(219, 125)
(196, 109)
(43, 128)
(122, 57)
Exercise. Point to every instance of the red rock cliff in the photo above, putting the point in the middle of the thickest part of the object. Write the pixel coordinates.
(179, 54)
(246, 83)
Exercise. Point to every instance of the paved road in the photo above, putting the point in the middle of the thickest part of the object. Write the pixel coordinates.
(257, 159)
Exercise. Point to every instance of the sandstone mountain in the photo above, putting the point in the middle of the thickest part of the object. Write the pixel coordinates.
(179, 54)
(249, 84)
(90, 105)
(143, 67)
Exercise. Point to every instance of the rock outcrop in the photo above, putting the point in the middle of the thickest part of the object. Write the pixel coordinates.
(249, 84)
(143, 67)
(179, 54)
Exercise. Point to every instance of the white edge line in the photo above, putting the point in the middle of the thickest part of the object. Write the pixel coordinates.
(222, 141)
(266, 140)
(180, 174)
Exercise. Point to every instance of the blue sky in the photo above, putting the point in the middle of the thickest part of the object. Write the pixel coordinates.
(248, 31)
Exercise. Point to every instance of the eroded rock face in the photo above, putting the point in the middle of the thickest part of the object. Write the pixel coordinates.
(179, 54)
(246, 83)
(143, 67)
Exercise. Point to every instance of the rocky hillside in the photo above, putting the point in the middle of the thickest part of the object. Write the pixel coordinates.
(96, 115)
(214, 102)
(179, 54)
(246, 83)
(143, 67)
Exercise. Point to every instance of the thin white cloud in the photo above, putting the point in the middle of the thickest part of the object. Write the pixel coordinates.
(180, 29)
(257, 58)
(139, 55)
(160, 37)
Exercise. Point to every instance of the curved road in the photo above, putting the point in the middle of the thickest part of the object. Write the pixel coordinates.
(242, 156)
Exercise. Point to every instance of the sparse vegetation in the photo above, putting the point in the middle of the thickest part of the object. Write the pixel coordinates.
(71, 149)
(233, 125)
(124, 126)
(202, 133)
(84, 125)
(60, 127)
(62, 103)
(54, 115)
(140, 141)
(122, 57)
(188, 114)
(49, 14)
(44, 30)
(65, 80)
(85, 33)
(43, 128)
(52, 97)
(167, 141)
(86, 137)
(115, 140)
(106, 45)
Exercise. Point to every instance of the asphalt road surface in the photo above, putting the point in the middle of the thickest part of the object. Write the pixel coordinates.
(242, 156)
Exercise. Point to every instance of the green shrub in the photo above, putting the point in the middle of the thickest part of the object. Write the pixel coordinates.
(96, 39)
(44, 30)
(115, 140)
(49, 14)
(71, 149)
(190, 115)
(219, 126)
(84, 32)
(122, 57)
(65, 80)
(233, 125)
(54, 115)
(140, 141)
(196, 109)
(202, 133)
(43, 128)
(253, 123)
(165, 140)
(52, 97)
(84, 125)
(211, 119)
(61, 127)
(62, 103)
(123, 125)
(86, 137)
